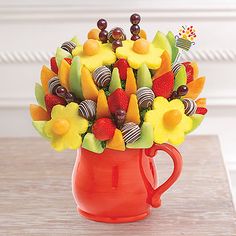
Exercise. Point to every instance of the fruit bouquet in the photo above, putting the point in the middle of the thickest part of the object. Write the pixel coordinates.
(114, 93)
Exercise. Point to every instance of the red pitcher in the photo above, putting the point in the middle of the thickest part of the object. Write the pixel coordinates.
(120, 186)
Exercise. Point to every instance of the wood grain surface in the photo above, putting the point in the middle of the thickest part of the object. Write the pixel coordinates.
(36, 198)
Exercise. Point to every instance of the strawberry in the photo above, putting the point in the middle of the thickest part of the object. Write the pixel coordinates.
(104, 129)
(53, 100)
(164, 85)
(118, 100)
(68, 60)
(189, 71)
(53, 64)
(201, 110)
(122, 65)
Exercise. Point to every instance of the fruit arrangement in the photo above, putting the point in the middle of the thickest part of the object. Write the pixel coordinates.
(118, 93)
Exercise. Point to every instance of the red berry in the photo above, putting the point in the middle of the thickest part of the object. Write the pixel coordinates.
(122, 65)
(103, 129)
(117, 33)
(164, 85)
(53, 100)
(116, 43)
(53, 64)
(189, 71)
(201, 110)
(134, 29)
(102, 24)
(118, 100)
(135, 18)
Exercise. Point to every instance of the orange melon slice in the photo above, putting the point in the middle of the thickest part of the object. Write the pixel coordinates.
(132, 114)
(89, 88)
(102, 105)
(64, 74)
(46, 75)
(117, 142)
(195, 69)
(131, 85)
(195, 88)
(165, 65)
(201, 102)
(38, 113)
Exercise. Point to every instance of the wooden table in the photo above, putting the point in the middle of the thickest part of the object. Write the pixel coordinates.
(36, 199)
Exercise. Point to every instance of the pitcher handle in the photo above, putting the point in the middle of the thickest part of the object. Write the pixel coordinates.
(177, 161)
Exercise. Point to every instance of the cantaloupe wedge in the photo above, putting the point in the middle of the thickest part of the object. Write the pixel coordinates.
(131, 85)
(89, 88)
(201, 102)
(133, 110)
(195, 69)
(64, 74)
(195, 88)
(102, 105)
(38, 113)
(117, 142)
(165, 65)
(46, 75)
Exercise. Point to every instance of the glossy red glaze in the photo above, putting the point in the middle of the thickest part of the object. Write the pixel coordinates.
(120, 186)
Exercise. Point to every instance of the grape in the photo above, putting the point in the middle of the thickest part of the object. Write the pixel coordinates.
(174, 95)
(70, 97)
(135, 18)
(135, 29)
(182, 90)
(135, 37)
(117, 33)
(103, 36)
(61, 91)
(102, 24)
(116, 44)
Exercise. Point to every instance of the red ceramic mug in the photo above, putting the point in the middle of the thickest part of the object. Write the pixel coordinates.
(120, 186)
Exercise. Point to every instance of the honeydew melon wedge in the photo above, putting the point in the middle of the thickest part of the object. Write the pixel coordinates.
(144, 78)
(161, 41)
(39, 126)
(197, 120)
(175, 51)
(115, 80)
(60, 55)
(39, 94)
(92, 144)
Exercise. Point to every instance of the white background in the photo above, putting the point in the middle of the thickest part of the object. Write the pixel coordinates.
(31, 31)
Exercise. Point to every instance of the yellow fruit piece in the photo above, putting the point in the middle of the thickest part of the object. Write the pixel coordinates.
(94, 34)
(89, 88)
(38, 113)
(165, 65)
(46, 75)
(142, 34)
(195, 69)
(133, 110)
(117, 142)
(195, 88)
(131, 85)
(201, 102)
(64, 74)
(102, 105)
